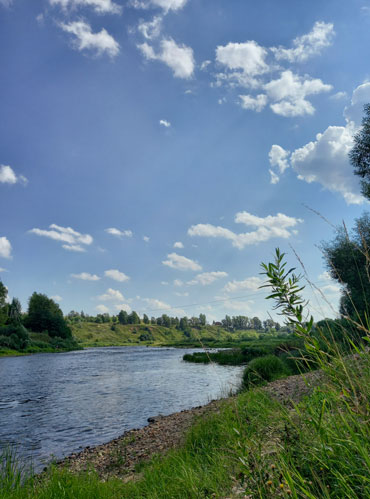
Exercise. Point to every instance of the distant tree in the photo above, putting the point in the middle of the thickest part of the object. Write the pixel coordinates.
(145, 319)
(15, 311)
(277, 326)
(184, 323)
(256, 323)
(3, 304)
(166, 321)
(202, 320)
(360, 153)
(123, 317)
(45, 315)
(153, 321)
(133, 318)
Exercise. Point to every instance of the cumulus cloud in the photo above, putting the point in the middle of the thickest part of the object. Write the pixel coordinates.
(8, 176)
(251, 283)
(325, 159)
(123, 306)
(116, 275)
(248, 59)
(5, 248)
(289, 93)
(267, 228)
(308, 45)
(180, 262)
(156, 304)
(102, 309)
(100, 6)
(85, 276)
(178, 244)
(179, 58)
(166, 5)
(254, 103)
(165, 123)
(207, 278)
(56, 298)
(100, 43)
(279, 159)
(119, 233)
(151, 29)
(178, 283)
(250, 65)
(146, 239)
(73, 240)
(111, 295)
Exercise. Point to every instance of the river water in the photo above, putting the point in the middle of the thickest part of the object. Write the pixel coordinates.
(52, 405)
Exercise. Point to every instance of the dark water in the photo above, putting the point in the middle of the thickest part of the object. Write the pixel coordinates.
(56, 404)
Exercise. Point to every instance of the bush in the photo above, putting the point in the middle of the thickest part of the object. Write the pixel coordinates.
(14, 336)
(263, 369)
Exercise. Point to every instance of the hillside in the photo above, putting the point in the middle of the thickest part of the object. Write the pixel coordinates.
(90, 334)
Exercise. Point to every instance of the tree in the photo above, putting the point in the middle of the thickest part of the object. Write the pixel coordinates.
(45, 315)
(202, 320)
(3, 305)
(133, 318)
(123, 317)
(15, 311)
(348, 260)
(360, 153)
(145, 319)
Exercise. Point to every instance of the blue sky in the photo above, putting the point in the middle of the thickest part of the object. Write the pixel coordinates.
(154, 152)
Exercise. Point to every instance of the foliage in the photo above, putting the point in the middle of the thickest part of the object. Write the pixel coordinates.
(14, 336)
(3, 305)
(45, 315)
(262, 369)
(360, 153)
(348, 260)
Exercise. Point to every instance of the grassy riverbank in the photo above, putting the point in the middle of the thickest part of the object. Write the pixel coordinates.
(42, 343)
(255, 445)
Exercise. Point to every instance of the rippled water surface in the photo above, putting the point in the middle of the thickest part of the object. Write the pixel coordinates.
(56, 404)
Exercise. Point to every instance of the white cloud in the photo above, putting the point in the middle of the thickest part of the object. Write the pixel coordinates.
(116, 275)
(164, 283)
(178, 283)
(6, 3)
(251, 283)
(207, 278)
(123, 306)
(307, 45)
(338, 96)
(5, 248)
(325, 276)
(85, 276)
(166, 5)
(111, 294)
(267, 228)
(325, 159)
(119, 233)
(205, 64)
(56, 298)
(289, 93)
(151, 29)
(245, 307)
(102, 309)
(165, 123)
(3, 270)
(146, 239)
(156, 304)
(179, 262)
(179, 58)
(101, 42)
(178, 244)
(248, 57)
(253, 103)
(72, 238)
(100, 6)
(181, 294)
(279, 159)
(8, 176)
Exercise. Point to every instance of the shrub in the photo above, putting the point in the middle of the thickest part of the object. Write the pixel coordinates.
(262, 369)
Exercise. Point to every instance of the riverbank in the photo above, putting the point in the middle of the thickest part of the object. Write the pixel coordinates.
(125, 456)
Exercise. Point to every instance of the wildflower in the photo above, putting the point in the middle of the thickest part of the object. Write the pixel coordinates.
(273, 466)
(269, 483)
(289, 492)
(281, 485)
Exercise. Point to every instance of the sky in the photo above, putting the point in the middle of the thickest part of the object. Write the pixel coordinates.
(154, 152)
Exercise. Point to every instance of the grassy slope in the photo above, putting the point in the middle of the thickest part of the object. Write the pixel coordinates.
(91, 334)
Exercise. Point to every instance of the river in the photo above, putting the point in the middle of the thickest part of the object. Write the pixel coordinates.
(52, 405)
